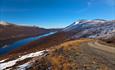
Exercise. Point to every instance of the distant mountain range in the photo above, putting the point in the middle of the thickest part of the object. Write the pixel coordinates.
(98, 28)
(3, 23)
(11, 32)
(66, 49)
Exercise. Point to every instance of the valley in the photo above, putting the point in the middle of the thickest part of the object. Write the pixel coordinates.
(83, 45)
(74, 55)
(57, 34)
(20, 43)
(10, 33)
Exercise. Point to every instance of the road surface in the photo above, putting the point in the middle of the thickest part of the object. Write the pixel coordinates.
(102, 53)
(102, 47)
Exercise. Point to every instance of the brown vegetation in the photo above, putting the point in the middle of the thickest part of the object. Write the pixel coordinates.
(108, 43)
(42, 43)
(61, 57)
(66, 56)
(10, 34)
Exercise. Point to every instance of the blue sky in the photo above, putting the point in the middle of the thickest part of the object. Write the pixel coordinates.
(55, 13)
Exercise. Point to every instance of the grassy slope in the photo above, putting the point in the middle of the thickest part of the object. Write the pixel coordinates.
(38, 45)
(10, 34)
(68, 56)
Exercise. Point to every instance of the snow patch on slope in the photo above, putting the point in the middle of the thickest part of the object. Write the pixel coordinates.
(70, 27)
(24, 66)
(76, 22)
(4, 65)
(3, 60)
(3, 23)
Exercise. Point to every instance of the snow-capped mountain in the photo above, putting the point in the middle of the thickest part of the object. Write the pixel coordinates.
(92, 29)
(72, 26)
(81, 24)
(3, 23)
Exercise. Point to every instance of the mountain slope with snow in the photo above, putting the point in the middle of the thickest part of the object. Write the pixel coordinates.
(60, 52)
(98, 28)
(3, 23)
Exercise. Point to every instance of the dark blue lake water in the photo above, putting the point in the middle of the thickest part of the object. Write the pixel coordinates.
(21, 43)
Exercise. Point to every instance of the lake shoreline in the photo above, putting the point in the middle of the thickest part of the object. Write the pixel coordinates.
(12, 40)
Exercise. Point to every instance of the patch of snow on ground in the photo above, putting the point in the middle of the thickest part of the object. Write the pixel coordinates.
(3, 60)
(13, 62)
(7, 64)
(3, 23)
(31, 55)
(24, 66)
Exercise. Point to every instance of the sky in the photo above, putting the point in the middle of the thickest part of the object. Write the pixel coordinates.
(55, 13)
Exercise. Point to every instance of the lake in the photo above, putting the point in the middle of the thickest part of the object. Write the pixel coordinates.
(22, 42)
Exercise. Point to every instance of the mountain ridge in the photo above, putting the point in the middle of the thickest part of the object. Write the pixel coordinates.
(100, 29)
(4, 23)
(74, 47)
(10, 32)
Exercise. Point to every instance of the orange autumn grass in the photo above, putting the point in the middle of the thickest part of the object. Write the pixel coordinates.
(72, 43)
(57, 54)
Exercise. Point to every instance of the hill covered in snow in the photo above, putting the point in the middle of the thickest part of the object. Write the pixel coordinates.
(98, 28)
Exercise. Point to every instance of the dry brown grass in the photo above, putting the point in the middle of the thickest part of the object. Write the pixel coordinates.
(61, 57)
(69, 44)
(59, 63)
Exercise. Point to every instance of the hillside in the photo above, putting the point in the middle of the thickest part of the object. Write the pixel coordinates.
(98, 28)
(83, 45)
(71, 55)
(10, 33)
